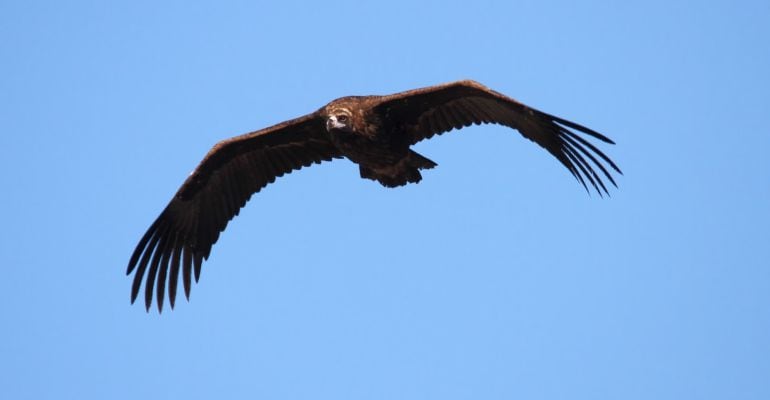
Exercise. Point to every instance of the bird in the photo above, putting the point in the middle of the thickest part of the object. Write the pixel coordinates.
(375, 132)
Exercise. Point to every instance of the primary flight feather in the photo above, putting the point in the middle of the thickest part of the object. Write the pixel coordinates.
(375, 132)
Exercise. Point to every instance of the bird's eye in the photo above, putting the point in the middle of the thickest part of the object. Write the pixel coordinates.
(342, 118)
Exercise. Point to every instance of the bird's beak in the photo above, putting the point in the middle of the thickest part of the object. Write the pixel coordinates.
(330, 122)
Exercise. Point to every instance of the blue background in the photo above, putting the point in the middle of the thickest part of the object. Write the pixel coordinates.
(497, 277)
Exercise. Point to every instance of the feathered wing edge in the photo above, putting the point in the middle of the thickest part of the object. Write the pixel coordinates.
(426, 112)
(577, 154)
(183, 234)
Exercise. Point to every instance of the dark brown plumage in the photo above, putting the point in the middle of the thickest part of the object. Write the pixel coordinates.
(375, 132)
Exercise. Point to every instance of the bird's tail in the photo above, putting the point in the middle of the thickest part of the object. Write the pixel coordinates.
(417, 160)
(406, 171)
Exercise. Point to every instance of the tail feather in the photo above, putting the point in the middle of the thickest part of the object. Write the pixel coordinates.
(406, 171)
(419, 161)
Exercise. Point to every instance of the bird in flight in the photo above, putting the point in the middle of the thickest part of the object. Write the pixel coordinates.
(375, 132)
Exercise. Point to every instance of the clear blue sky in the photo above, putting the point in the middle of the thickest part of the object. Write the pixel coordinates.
(497, 277)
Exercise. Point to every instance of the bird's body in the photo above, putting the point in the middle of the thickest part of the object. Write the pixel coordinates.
(361, 138)
(375, 132)
(381, 151)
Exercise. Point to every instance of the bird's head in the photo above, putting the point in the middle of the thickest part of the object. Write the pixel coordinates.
(339, 118)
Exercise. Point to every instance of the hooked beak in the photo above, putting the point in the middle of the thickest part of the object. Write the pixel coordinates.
(332, 123)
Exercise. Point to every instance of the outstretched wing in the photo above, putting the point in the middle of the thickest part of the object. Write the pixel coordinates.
(234, 169)
(423, 113)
